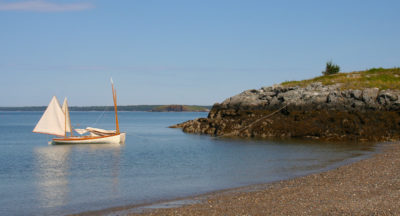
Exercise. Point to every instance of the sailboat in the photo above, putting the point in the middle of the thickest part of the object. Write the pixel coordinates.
(56, 121)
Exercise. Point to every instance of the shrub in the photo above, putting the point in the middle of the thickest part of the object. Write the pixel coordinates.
(331, 68)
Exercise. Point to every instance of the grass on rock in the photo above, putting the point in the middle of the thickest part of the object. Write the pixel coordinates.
(381, 78)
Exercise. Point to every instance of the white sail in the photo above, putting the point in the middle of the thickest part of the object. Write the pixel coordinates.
(95, 131)
(67, 118)
(52, 120)
(100, 132)
(81, 131)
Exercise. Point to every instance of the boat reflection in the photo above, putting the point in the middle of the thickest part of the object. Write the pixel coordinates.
(56, 164)
(52, 175)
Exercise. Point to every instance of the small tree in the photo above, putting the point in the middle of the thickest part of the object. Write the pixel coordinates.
(331, 68)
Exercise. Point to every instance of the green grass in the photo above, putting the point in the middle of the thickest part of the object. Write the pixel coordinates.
(381, 78)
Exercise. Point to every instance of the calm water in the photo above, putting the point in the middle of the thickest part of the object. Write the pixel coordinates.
(156, 163)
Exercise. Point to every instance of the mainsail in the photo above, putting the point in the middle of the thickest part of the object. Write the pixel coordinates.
(65, 110)
(52, 120)
(95, 131)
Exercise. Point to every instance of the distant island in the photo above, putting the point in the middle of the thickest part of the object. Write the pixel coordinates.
(181, 108)
(143, 108)
(361, 105)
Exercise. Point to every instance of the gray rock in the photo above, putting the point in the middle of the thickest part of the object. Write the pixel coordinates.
(357, 94)
(382, 100)
(346, 93)
(316, 85)
(290, 96)
(320, 99)
(274, 102)
(269, 93)
(390, 95)
(334, 87)
(370, 95)
(333, 97)
(265, 97)
(267, 88)
(314, 96)
(358, 104)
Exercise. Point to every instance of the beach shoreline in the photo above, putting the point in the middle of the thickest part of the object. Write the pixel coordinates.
(368, 186)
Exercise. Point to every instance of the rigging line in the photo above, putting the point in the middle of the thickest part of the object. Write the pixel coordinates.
(255, 121)
(101, 115)
(98, 118)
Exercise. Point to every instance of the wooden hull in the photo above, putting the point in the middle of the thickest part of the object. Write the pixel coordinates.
(109, 139)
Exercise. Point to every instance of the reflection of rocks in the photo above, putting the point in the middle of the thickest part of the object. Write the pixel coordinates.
(314, 111)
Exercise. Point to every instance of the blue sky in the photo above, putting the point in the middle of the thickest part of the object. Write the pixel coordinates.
(183, 52)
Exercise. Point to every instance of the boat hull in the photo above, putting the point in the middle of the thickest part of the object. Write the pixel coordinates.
(109, 139)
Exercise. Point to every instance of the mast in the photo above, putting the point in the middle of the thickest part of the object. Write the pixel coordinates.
(65, 127)
(115, 106)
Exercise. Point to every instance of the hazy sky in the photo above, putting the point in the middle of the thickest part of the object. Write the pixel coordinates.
(183, 52)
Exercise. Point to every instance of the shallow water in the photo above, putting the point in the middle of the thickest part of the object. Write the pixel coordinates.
(156, 163)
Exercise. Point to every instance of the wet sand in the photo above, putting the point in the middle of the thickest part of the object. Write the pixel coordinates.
(367, 187)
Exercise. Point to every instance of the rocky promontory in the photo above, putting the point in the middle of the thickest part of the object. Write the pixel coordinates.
(316, 110)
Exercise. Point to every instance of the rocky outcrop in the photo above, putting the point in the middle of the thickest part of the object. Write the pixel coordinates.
(315, 111)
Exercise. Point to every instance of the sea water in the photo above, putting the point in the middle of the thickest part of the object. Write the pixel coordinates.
(156, 163)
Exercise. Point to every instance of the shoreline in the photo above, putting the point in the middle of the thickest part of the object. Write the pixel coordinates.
(315, 193)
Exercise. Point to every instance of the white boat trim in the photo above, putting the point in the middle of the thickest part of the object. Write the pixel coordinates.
(109, 139)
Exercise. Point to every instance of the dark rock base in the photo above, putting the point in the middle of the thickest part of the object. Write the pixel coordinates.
(372, 125)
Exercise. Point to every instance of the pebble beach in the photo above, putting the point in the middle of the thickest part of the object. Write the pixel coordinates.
(367, 187)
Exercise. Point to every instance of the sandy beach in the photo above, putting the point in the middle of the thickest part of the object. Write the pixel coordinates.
(367, 187)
